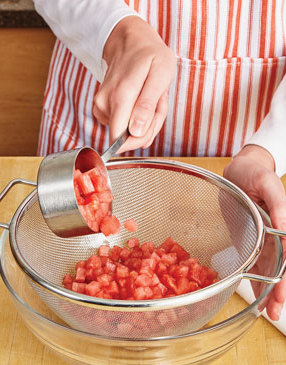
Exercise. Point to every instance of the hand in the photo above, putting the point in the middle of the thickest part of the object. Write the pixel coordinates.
(252, 169)
(135, 89)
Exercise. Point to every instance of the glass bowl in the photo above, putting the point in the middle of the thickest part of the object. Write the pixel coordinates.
(78, 347)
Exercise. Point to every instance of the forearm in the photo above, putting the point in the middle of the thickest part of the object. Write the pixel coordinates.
(84, 26)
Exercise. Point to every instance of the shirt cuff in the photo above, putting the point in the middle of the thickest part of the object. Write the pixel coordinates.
(271, 135)
(84, 27)
(94, 47)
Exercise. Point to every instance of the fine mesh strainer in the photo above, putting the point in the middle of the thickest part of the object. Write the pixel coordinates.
(209, 216)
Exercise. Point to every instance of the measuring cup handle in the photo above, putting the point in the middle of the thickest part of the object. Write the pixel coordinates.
(111, 151)
(279, 276)
(6, 190)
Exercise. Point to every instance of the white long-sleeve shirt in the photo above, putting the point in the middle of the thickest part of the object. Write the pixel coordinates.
(84, 26)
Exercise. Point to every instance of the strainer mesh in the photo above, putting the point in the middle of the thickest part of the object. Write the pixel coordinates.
(209, 221)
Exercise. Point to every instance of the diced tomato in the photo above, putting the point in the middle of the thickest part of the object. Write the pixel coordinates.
(190, 261)
(182, 286)
(169, 258)
(141, 293)
(93, 262)
(80, 275)
(146, 254)
(115, 253)
(99, 182)
(93, 225)
(98, 271)
(155, 257)
(155, 280)
(169, 282)
(68, 286)
(168, 244)
(162, 288)
(90, 275)
(194, 273)
(94, 172)
(110, 225)
(143, 280)
(180, 271)
(94, 197)
(93, 288)
(122, 272)
(161, 268)
(103, 260)
(147, 249)
(207, 276)
(133, 274)
(149, 263)
(160, 251)
(100, 294)
(193, 286)
(212, 274)
(133, 242)
(137, 252)
(181, 253)
(105, 209)
(88, 212)
(148, 246)
(80, 264)
(140, 273)
(103, 250)
(76, 174)
(125, 253)
(113, 288)
(78, 287)
(130, 285)
(148, 293)
(104, 279)
(80, 199)
(110, 267)
(133, 263)
(105, 196)
(99, 215)
(146, 270)
(85, 184)
(67, 281)
(131, 225)
(157, 294)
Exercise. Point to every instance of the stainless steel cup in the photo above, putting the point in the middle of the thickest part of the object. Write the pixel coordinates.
(55, 186)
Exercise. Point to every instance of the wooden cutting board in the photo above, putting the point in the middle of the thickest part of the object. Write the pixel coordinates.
(263, 344)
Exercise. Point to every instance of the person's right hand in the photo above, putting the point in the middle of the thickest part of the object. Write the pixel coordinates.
(134, 92)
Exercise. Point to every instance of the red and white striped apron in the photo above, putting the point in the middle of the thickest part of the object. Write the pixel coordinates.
(231, 57)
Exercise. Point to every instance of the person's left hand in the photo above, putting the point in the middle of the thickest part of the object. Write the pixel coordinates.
(253, 170)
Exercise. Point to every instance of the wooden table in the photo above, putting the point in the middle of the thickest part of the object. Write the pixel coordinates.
(263, 344)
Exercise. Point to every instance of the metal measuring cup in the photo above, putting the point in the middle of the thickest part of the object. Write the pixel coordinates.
(55, 185)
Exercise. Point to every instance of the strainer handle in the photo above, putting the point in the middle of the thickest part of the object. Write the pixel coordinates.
(267, 279)
(6, 190)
